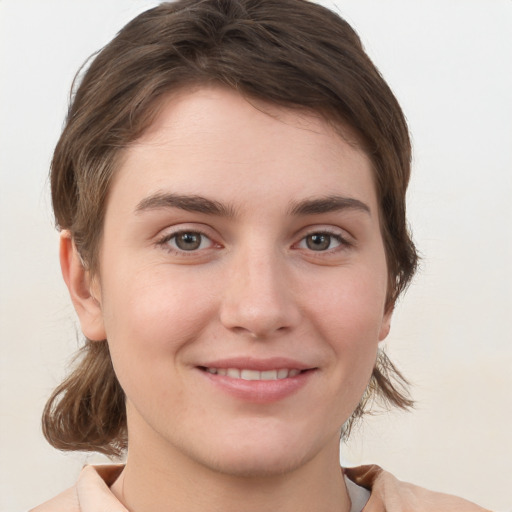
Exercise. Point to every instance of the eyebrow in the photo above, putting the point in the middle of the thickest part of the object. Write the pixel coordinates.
(189, 203)
(200, 204)
(328, 204)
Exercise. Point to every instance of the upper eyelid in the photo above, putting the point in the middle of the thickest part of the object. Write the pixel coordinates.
(328, 230)
(186, 228)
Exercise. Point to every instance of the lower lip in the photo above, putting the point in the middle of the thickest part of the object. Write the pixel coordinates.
(259, 391)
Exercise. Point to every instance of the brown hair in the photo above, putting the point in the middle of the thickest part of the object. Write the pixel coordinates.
(293, 53)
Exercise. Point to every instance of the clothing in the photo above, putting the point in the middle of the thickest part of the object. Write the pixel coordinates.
(358, 495)
(387, 494)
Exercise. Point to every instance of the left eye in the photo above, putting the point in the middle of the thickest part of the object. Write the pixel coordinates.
(188, 241)
(320, 241)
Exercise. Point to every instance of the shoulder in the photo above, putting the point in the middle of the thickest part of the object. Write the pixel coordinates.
(66, 501)
(392, 495)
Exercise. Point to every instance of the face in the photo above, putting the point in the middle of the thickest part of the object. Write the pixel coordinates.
(242, 284)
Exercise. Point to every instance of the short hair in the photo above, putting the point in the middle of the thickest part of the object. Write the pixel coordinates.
(292, 53)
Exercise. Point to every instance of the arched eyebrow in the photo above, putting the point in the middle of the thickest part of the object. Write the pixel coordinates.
(189, 203)
(200, 204)
(328, 204)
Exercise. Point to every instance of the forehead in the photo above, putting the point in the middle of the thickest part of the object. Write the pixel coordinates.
(214, 140)
(191, 112)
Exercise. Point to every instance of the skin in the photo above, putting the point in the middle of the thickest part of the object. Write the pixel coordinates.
(260, 285)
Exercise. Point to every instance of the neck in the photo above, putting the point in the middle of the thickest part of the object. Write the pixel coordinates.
(165, 480)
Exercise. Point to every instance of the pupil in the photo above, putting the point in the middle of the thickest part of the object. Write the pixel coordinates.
(188, 241)
(318, 242)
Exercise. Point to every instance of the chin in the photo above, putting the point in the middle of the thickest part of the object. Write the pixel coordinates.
(259, 456)
(256, 465)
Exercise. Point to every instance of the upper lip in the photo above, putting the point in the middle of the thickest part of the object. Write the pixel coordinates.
(251, 363)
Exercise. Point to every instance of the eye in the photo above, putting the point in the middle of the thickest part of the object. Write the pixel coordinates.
(321, 241)
(187, 241)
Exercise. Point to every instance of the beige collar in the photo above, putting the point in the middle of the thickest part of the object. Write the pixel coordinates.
(388, 494)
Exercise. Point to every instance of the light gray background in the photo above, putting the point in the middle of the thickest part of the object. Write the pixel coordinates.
(449, 63)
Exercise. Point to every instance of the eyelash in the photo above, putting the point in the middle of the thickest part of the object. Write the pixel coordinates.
(164, 242)
(343, 243)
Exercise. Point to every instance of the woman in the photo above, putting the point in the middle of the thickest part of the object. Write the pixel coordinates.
(230, 188)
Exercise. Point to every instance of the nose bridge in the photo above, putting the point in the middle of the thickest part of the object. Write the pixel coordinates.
(258, 298)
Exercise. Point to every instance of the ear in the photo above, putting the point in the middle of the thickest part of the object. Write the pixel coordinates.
(83, 290)
(385, 326)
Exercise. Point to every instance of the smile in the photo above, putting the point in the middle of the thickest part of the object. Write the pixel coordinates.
(267, 384)
(247, 374)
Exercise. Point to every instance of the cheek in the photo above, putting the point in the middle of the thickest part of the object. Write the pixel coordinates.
(154, 304)
(149, 320)
(350, 306)
(349, 314)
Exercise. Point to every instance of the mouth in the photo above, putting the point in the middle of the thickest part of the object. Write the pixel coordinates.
(254, 375)
(258, 382)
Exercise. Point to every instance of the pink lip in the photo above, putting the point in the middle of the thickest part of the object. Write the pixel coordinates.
(258, 391)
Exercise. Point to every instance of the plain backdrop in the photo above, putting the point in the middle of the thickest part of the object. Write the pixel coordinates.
(450, 65)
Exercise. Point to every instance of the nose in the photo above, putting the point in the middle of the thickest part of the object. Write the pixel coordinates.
(259, 298)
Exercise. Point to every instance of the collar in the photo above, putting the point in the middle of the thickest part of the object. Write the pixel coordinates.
(386, 493)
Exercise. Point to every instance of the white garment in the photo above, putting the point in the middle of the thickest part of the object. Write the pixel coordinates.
(358, 495)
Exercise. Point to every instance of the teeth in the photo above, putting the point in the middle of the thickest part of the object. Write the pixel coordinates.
(282, 374)
(244, 374)
(250, 375)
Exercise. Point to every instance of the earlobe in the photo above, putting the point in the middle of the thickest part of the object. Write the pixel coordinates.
(385, 326)
(79, 282)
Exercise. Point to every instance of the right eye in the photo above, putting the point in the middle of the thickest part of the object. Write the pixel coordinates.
(186, 241)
